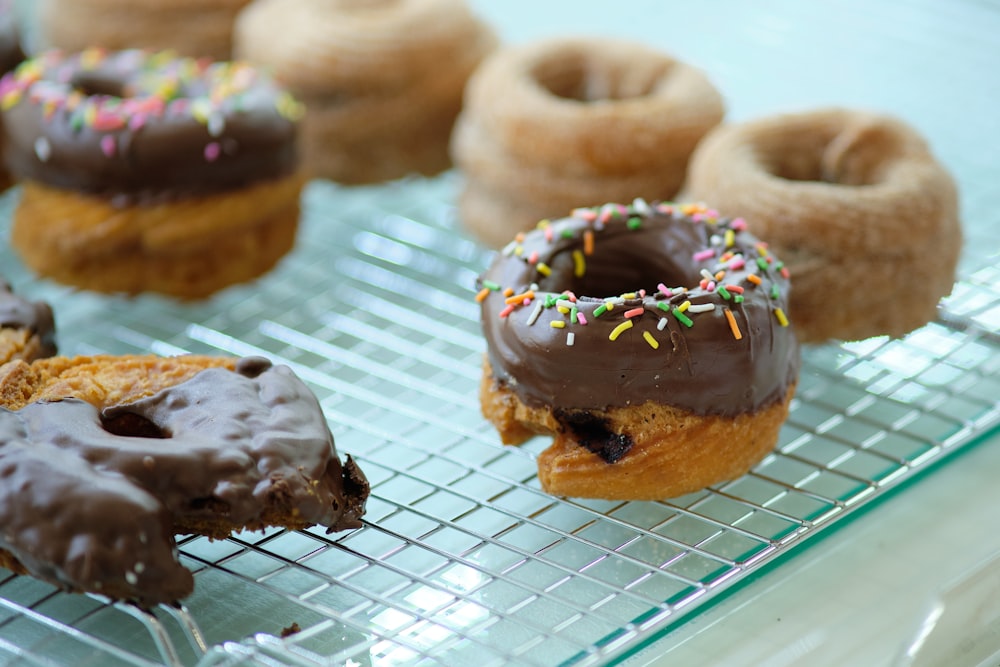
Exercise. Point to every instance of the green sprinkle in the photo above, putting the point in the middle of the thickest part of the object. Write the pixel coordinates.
(775, 292)
(567, 233)
(762, 263)
(572, 314)
(490, 285)
(778, 266)
(550, 300)
(600, 310)
(724, 292)
(681, 317)
(663, 306)
(738, 298)
(634, 223)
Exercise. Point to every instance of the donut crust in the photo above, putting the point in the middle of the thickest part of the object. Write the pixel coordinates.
(674, 451)
(854, 203)
(189, 248)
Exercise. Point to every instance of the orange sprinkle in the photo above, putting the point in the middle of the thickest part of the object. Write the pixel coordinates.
(735, 289)
(483, 293)
(588, 242)
(524, 296)
(754, 278)
(634, 312)
(508, 291)
(720, 275)
(733, 326)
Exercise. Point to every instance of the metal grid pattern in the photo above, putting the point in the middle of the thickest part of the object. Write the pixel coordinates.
(463, 559)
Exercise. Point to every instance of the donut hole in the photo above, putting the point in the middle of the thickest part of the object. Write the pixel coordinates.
(630, 262)
(582, 78)
(131, 425)
(93, 83)
(851, 157)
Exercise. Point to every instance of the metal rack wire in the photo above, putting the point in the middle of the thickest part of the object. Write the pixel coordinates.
(462, 557)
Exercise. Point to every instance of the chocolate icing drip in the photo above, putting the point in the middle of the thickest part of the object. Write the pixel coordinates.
(137, 127)
(90, 501)
(35, 316)
(644, 348)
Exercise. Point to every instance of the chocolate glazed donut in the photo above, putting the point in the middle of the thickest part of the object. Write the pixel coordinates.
(92, 494)
(145, 126)
(27, 328)
(651, 340)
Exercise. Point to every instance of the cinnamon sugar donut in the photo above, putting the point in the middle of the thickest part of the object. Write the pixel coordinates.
(145, 172)
(103, 459)
(382, 80)
(27, 328)
(567, 122)
(650, 390)
(197, 28)
(855, 202)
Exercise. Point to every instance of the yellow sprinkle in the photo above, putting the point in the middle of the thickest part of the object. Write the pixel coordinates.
(543, 268)
(519, 250)
(557, 324)
(653, 343)
(563, 309)
(782, 319)
(730, 238)
(733, 326)
(10, 100)
(609, 305)
(483, 293)
(628, 295)
(617, 331)
(579, 264)
(684, 306)
(543, 223)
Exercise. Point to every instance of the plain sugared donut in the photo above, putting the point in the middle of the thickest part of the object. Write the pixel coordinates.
(147, 172)
(651, 341)
(27, 328)
(197, 28)
(563, 122)
(103, 459)
(855, 202)
(382, 80)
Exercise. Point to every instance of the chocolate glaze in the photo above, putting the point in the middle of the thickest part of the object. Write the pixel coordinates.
(11, 53)
(89, 501)
(702, 368)
(35, 316)
(142, 127)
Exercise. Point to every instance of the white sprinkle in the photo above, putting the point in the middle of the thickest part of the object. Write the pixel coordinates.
(43, 149)
(509, 248)
(535, 313)
(140, 567)
(701, 307)
(131, 578)
(142, 538)
(564, 303)
(570, 337)
(715, 239)
(662, 324)
(640, 206)
(706, 275)
(216, 124)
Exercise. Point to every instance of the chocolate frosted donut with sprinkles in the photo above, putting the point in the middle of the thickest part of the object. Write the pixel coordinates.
(651, 341)
(144, 171)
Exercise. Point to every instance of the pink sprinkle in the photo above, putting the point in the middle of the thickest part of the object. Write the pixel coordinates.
(585, 213)
(507, 311)
(784, 272)
(634, 312)
(739, 224)
(548, 233)
(526, 302)
(737, 264)
(212, 151)
(108, 145)
(533, 258)
(571, 296)
(642, 294)
(710, 286)
(137, 121)
(702, 255)
(581, 319)
(664, 290)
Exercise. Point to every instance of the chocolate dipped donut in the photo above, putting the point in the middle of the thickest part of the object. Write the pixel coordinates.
(651, 341)
(27, 328)
(11, 55)
(147, 172)
(104, 459)
(848, 198)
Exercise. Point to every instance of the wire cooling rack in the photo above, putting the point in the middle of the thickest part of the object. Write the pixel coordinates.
(462, 558)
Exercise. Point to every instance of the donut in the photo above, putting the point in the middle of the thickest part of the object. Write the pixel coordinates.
(382, 80)
(850, 199)
(103, 459)
(651, 341)
(145, 172)
(27, 328)
(11, 55)
(197, 28)
(561, 122)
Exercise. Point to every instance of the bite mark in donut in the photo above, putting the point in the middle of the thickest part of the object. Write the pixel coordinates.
(694, 322)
